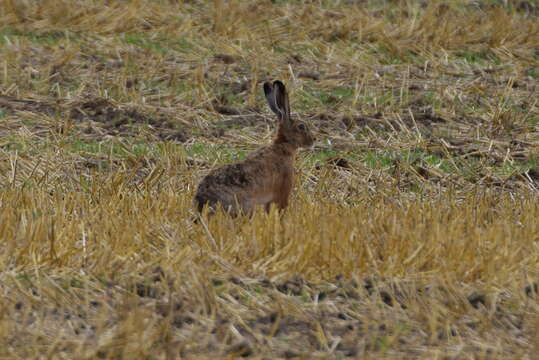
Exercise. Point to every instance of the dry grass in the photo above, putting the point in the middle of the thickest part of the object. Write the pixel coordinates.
(413, 230)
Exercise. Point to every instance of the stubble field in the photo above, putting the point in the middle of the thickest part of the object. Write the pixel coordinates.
(412, 231)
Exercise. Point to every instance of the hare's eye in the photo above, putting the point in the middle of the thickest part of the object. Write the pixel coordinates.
(301, 127)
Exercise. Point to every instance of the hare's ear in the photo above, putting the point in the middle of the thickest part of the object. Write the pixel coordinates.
(270, 97)
(281, 99)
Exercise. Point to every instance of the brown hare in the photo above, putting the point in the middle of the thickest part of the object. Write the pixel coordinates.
(266, 175)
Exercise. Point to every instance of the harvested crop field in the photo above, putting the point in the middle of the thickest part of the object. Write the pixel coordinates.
(412, 230)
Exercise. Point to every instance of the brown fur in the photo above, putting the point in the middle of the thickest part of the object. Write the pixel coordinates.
(266, 177)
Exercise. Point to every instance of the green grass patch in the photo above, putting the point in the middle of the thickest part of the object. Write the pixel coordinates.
(145, 42)
(114, 148)
(25, 280)
(181, 45)
(382, 159)
(509, 169)
(534, 73)
(16, 143)
(219, 153)
(378, 160)
(41, 37)
(312, 97)
(158, 44)
(478, 57)
(388, 158)
(320, 156)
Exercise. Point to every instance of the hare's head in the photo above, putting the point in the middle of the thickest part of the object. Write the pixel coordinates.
(294, 132)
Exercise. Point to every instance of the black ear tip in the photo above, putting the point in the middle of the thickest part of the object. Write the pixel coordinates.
(278, 83)
(268, 87)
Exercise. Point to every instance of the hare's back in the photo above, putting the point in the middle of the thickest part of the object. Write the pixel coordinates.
(224, 185)
(232, 175)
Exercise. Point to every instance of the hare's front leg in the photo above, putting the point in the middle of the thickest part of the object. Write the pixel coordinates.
(282, 203)
(281, 200)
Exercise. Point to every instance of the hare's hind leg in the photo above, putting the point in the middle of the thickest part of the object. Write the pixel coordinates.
(237, 205)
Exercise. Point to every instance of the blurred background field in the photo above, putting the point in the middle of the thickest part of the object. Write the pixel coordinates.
(412, 232)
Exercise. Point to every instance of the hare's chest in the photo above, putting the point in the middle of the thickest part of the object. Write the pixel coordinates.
(278, 185)
(287, 175)
(281, 174)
